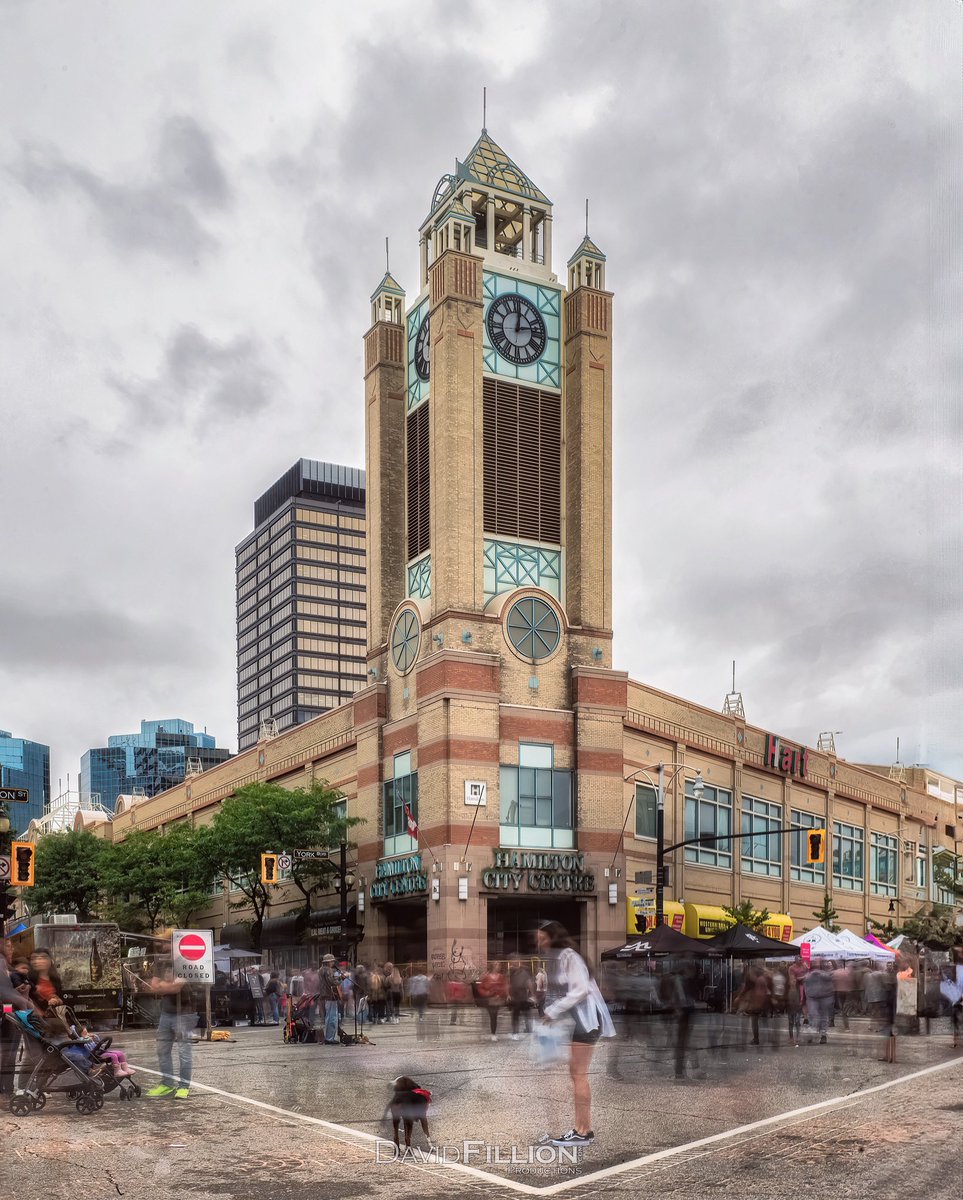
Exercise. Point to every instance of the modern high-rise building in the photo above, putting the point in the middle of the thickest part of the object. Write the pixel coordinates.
(145, 763)
(301, 595)
(25, 764)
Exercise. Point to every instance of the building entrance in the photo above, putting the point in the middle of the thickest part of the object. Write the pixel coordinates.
(407, 933)
(512, 923)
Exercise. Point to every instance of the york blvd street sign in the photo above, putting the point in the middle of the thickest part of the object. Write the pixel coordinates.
(309, 855)
(193, 953)
(14, 795)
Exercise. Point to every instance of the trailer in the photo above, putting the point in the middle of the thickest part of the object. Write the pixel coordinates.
(88, 959)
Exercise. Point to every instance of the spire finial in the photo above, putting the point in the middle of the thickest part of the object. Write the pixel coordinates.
(586, 216)
(387, 263)
(484, 110)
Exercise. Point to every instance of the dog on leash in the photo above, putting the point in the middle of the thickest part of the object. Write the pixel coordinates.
(408, 1104)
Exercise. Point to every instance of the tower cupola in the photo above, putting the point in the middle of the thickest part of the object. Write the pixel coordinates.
(388, 301)
(586, 267)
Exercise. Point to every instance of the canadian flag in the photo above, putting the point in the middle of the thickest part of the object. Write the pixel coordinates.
(412, 823)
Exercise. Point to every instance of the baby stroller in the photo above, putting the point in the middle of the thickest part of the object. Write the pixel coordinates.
(78, 1066)
(296, 1027)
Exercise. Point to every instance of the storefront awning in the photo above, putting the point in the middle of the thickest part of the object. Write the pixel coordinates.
(707, 920)
(640, 914)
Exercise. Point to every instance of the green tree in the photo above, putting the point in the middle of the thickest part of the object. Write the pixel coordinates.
(67, 869)
(949, 879)
(746, 915)
(885, 930)
(264, 818)
(163, 874)
(934, 926)
(827, 916)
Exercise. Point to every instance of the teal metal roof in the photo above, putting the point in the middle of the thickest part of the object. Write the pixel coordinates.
(388, 284)
(489, 165)
(587, 249)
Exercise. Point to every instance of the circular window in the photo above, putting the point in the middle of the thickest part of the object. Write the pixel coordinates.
(404, 641)
(534, 629)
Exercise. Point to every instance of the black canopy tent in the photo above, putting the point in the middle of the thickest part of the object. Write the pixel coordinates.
(663, 940)
(738, 941)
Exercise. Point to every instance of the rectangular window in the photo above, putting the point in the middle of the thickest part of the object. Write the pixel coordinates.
(536, 801)
(848, 843)
(646, 805)
(883, 864)
(708, 817)
(800, 869)
(920, 871)
(400, 790)
(522, 448)
(762, 852)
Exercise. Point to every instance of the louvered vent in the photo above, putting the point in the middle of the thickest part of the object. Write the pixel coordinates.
(523, 472)
(419, 484)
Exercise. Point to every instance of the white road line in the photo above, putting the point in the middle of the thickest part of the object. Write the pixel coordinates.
(851, 1098)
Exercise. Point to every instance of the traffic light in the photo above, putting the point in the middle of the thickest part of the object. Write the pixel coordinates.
(21, 864)
(269, 868)
(816, 846)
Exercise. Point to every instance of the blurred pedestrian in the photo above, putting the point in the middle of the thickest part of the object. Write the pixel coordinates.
(521, 990)
(272, 993)
(418, 994)
(794, 1006)
(492, 993)
(394, 992)
(457, 993)
(329, 997)
(176, 1020)
(376, 996)
(312, 985)
(541, 989)
(820, 998)
(843, 983)
(573, 992)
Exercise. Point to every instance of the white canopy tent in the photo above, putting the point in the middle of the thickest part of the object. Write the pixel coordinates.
(823, 944)
(863, 949)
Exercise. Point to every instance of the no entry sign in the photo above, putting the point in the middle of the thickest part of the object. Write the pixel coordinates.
(193, 953)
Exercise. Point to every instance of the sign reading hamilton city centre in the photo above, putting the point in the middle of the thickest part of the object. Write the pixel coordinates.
(398, 877)
(791, 760)
(537, 871)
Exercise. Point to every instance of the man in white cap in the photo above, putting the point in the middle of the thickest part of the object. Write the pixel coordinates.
(329, 995)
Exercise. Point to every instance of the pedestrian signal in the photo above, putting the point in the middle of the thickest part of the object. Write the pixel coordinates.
(269, 868)
(816, 841)
(21, 865)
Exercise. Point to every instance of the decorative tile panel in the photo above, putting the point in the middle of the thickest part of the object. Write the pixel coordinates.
(418, 388)
(510, 565)
(546, 372)
(419, 578)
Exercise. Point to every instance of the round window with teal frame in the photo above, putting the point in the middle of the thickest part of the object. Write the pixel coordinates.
(533, 628)
(404, 640)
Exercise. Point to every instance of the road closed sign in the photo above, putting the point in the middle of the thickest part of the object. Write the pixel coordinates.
(193, 953)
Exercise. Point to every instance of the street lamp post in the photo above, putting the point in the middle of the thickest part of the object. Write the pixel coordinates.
(660, 785)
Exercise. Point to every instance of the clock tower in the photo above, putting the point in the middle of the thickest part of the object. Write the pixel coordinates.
(489, 464)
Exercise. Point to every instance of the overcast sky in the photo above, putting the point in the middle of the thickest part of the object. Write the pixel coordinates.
(194, 198)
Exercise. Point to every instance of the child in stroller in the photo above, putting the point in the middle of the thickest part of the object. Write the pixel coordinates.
(82, 1067)
(297, 1025)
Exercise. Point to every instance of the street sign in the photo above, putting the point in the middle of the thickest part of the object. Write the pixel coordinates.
(310, 855)
(14, 795)
(285, 862)
(193, 953)
(4, 869)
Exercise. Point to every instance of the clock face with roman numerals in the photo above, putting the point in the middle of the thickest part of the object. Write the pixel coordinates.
(423, 350)
(516, 329)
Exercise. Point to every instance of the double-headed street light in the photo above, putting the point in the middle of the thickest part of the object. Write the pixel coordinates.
(660, 785)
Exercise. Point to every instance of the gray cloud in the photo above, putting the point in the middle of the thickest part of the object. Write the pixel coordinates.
(83, 635)
(201, 382)
(156, 215)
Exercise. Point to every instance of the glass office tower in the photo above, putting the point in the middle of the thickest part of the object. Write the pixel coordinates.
(150, 761)
(301, 620)
(25, 764)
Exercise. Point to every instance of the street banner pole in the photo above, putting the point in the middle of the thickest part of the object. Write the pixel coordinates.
(207, 1011)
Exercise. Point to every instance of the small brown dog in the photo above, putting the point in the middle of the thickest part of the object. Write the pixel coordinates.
(408, 1104)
